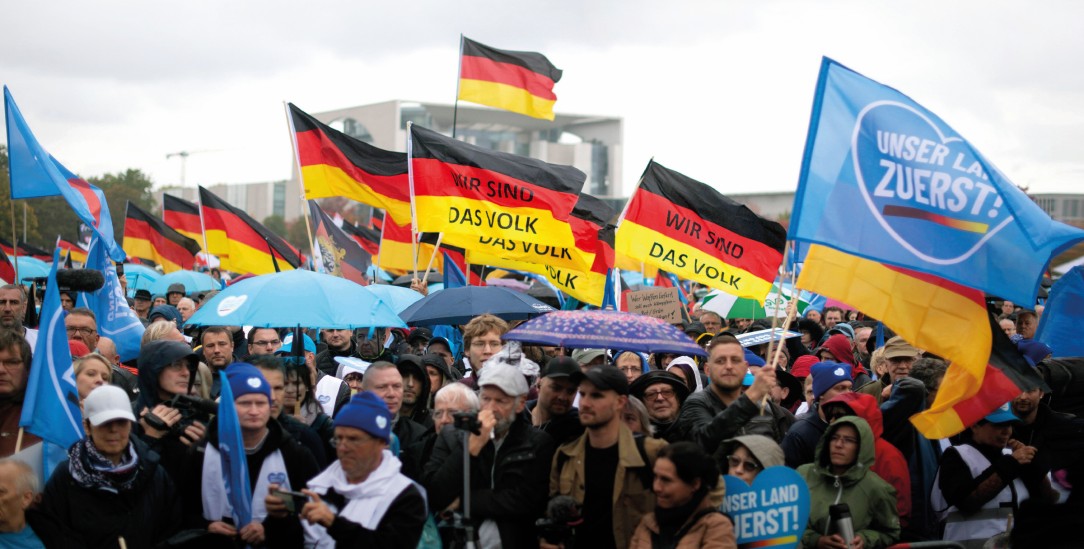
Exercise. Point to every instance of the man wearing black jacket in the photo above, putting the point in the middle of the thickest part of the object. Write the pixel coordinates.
(508, 466)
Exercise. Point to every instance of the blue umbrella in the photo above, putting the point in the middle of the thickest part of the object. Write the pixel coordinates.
(397, 297)
(296, 298)
(140, 277)
(606, 330)
(30, 268)
(193, 282)
(460, 305)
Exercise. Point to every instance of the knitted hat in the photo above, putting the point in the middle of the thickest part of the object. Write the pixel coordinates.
(801, 366)
(366, 412)
(827, 374)
(246, 379)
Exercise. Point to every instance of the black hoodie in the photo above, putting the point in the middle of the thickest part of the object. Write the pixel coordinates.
(412, 365)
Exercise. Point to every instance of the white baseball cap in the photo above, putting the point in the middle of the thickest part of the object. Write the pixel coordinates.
(106, 403)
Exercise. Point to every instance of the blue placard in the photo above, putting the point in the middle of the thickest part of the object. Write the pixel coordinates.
(773, 512)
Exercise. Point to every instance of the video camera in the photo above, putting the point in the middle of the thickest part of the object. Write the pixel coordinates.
(562, 518)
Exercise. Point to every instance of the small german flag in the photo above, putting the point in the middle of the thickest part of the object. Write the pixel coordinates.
(397, 252)
(517, 81)
(688, 228)
(182, 216)
(7, 268)
(25, 250)
(368, 239)
(464, 189)
(147, 237)
(74, 251)
(241, 243)
(335, 164)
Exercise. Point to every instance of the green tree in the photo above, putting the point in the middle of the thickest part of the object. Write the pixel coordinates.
(298, 236)
(276, 224)
(119, 188)
(31, 220)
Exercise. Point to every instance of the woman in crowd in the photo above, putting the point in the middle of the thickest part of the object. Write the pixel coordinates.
(686, 368)
(684, 516)
(840, 474)
(299, 400)
(636, 418)
(111, 487)
(748, 455)
(91, 371)
(631, 363)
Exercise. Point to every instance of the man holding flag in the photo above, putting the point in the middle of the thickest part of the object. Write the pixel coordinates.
(230, 493)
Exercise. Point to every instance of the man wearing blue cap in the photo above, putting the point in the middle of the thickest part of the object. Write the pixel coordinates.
(829, 380)
(274, 458)
(984, 480)
(361, 500)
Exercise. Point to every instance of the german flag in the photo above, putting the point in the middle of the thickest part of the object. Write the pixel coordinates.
(335, 164)
(74, 251)
(339, 254)
(7, 268)
(367, 238)
(376, 219)
(397, 253)
(463, 189)
(148, 237)
(457, 254)
(241, 243)
(183, 216)
(25, 250)
(517, 81)
(935, 314)
(686, 227)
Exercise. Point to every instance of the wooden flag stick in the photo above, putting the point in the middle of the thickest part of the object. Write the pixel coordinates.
(433, 256)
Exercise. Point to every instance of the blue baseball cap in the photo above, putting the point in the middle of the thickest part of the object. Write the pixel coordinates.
(1002, 415)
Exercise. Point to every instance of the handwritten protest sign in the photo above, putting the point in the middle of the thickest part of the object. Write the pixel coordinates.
(661, 303)
(773, 512)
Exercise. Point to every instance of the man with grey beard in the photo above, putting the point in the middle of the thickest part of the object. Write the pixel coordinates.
(510, 463)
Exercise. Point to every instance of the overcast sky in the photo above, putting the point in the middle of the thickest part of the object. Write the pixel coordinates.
(718, 90)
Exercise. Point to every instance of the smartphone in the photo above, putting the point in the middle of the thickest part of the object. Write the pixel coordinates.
(294, 500)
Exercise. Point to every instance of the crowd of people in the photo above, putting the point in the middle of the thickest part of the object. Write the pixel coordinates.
(396, 438)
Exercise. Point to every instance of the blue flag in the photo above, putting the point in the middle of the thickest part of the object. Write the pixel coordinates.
(887, 180)
(116, 320)
(1060, 326)
(613, 289)
(453, 277)
(34, 174)
(231, 446)
(51, 406)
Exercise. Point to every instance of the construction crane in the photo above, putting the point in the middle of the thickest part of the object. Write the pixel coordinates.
(184, 159)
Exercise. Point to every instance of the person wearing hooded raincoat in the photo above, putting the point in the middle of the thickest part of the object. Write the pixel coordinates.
(872, 501)
(890, 464)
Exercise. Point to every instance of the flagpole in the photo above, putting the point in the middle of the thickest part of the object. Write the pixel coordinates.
(380, 245)
(413, 204)
(458, 78)
(15, 250)
(202, 227)
(436, 250)
(300, 177)
(775, 313)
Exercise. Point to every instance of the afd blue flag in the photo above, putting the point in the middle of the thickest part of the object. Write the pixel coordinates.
(453, 277)
(1063, 318)
(613, 289)
(231, 446)
(51, 406)
(885, 179)
(34, 173)
(116, 320)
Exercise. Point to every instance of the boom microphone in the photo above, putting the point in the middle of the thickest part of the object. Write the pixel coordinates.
(80, 280)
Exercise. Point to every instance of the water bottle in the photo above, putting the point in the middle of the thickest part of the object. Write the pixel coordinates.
(840, 517)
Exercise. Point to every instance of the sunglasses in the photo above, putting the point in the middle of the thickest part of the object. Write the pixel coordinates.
(735, 461)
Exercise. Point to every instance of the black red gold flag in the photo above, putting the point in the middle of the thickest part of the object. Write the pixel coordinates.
(241, 243)
(517, 81)
(147, 237)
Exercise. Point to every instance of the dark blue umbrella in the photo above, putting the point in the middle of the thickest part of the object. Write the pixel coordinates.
(460, 305)
(606, 330)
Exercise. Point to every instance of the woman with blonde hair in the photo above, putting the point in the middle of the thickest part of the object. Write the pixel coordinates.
(91, 371)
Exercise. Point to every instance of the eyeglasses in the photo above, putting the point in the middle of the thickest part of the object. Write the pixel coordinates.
(85, 331)
(267, 342)
(846, 440)
(736, 462)
(664, 393)
(479, 344)
(350, 442)
(11, 363)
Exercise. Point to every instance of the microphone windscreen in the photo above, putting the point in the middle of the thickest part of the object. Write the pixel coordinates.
(80, 280)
